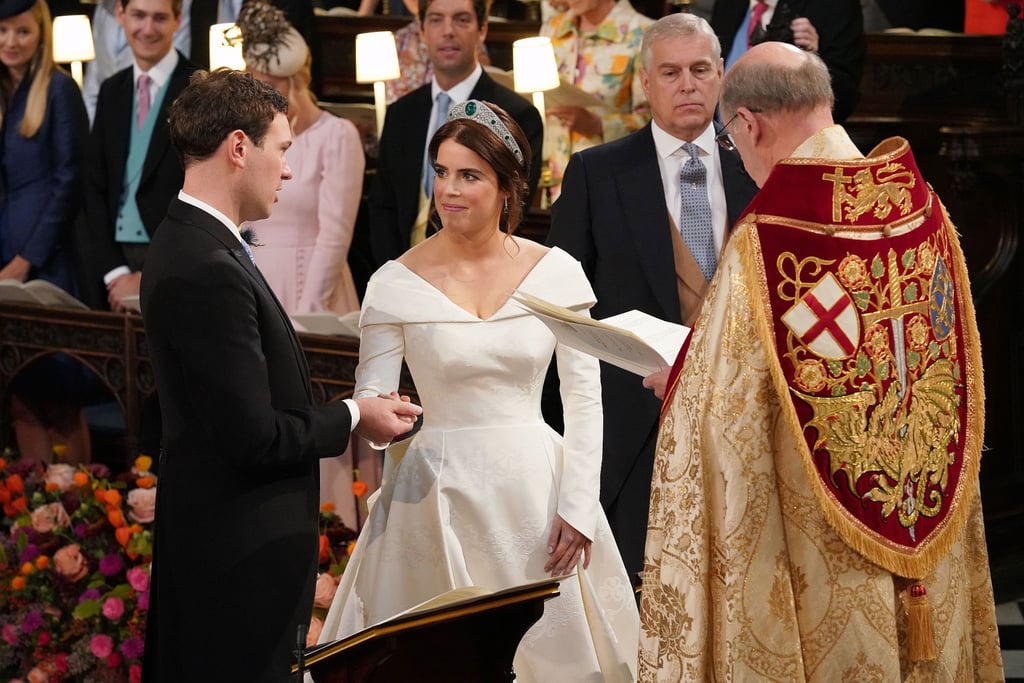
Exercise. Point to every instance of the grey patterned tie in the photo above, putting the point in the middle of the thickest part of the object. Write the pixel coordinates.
(695, 212)
(444, 103)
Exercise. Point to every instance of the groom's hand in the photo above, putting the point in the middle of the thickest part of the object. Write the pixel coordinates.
(382, 419)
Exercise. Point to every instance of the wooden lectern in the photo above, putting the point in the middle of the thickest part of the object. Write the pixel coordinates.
(473, 639)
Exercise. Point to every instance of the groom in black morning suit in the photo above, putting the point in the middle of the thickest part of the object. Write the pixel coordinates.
(613, 215)
(236, 553)
(452, 31)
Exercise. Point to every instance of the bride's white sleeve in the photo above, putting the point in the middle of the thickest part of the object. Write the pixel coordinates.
(579, 490)
(381, 349)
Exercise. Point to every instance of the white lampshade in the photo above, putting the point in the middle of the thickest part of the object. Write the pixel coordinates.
(226, 47)
(376, 57)
(533, 65)
(72, 39)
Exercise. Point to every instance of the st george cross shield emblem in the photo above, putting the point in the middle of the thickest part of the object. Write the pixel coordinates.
(825, 320)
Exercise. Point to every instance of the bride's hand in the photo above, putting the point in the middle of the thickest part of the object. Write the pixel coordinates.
(565, 547)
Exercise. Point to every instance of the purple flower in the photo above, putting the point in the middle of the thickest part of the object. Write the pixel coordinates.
(91, 594)
(101, 645)
(71, 501)
(113, 608)
(143, 600)
(138, 578)
(10, 634)
(132, 647)
(81, 530)
(98, 470)
(111, 564)
(30, 553)
(31, 622)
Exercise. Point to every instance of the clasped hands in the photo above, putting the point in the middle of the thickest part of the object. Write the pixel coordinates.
(384, 418)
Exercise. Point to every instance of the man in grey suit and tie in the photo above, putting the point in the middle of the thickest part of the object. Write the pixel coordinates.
(647, 215)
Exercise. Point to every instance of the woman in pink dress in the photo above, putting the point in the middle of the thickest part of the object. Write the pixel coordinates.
(303, 247)
(304, 244)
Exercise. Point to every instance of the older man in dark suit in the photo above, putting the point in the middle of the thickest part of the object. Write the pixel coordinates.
(453, 31)
(242, 438)
(131, 171)
(647, 215)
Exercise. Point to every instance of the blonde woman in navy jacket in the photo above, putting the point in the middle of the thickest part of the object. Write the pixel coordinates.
(42, 126)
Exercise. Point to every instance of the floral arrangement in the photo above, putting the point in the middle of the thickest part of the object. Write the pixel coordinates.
(337, 542)
(75, 549)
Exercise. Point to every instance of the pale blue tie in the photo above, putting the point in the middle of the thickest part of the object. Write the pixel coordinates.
(695, 212)
(444, 103)
(248, 250)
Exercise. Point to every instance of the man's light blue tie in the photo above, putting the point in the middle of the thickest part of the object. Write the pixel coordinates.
(248, 250)
(444, 103)
(695, 212)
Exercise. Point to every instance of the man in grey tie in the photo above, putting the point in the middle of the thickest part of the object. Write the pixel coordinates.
(647, 215)
(400, 197)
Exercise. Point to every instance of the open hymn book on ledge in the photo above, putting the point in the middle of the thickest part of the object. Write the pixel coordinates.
(634, 341)
(38, 292)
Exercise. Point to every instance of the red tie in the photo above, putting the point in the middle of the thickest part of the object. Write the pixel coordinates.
(143, 100)
(756, 12)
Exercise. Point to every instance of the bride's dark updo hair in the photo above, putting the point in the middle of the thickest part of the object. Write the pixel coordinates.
(484, 141)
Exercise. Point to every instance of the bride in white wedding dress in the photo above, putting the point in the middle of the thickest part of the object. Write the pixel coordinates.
(486, 494)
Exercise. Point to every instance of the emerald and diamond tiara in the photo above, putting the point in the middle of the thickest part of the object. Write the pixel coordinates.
(481, 113)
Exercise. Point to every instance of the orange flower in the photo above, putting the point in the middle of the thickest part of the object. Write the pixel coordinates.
(327, 506)
(5, 495)
(42, 562)
(146, 482)
(60, 450)
(81, 478)
(51, 486)
(15, 484)
(359, 488)
(27, 568)
(351, 548)
(100, 495)
(123, 534)
(3, 464)
(18, 583)
(143, 463)
(113, 497)
(116, 518)
(324, 547)
(20, 504)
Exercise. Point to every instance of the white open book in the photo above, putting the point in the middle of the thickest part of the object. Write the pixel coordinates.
(37, 292)
(328, 323)
(634, 341)
(565, 95)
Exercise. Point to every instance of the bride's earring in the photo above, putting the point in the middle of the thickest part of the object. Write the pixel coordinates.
(506, 203)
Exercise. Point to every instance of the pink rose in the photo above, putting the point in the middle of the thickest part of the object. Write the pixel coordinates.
(60, 474)
(315, 626)
(10, 634)
(143, 505)
(49, 516)
(70, 562)
(326, 587)
(113, 608)
(37, 675)
(101, 645)
(138, 578)
(135, 674)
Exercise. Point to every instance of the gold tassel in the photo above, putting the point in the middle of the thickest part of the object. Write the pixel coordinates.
(920, 635)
